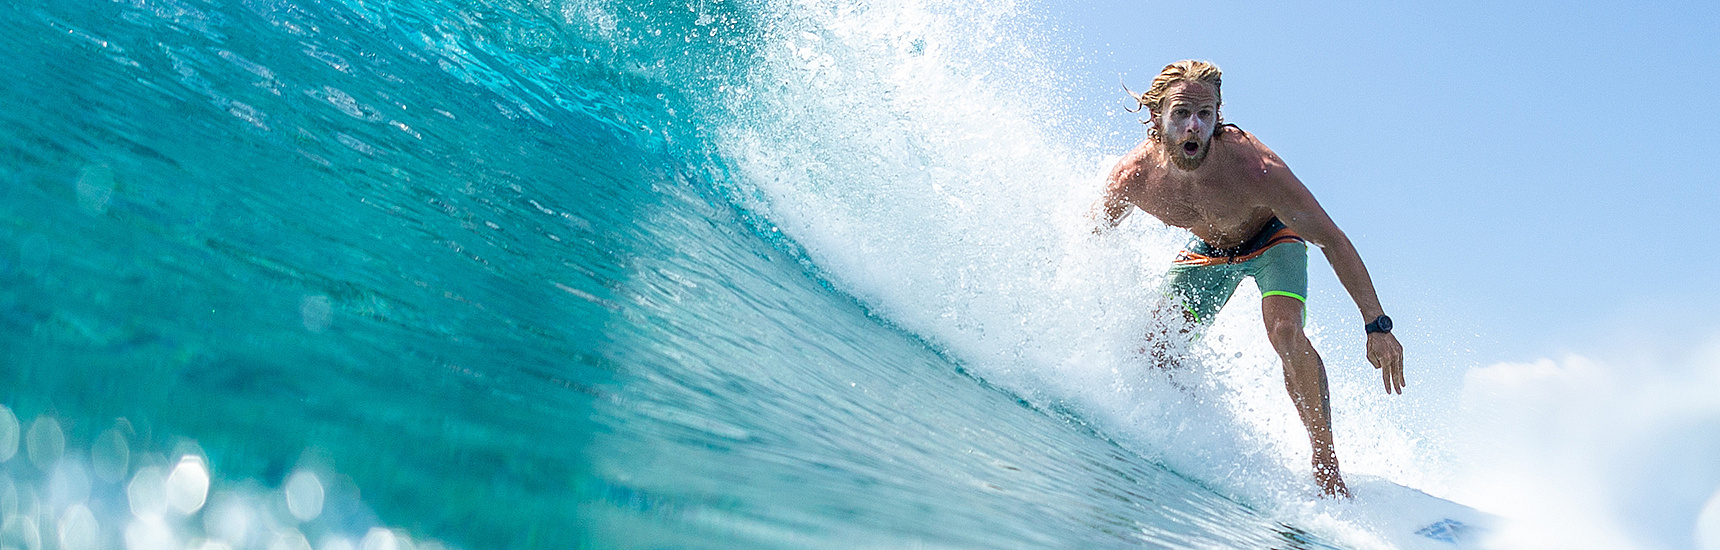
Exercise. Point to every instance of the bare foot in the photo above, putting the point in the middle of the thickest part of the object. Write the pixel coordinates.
(1331, 484)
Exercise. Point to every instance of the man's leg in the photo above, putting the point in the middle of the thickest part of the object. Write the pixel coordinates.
(1191, 296)
(1305, 378)
(1169, 332)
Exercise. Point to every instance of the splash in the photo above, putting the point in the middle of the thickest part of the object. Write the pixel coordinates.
(558, 253)
(910, 149)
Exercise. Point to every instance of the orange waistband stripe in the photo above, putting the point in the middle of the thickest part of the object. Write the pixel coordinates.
(1282, 236)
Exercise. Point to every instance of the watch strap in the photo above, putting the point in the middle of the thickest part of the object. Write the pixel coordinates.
(1379, 324)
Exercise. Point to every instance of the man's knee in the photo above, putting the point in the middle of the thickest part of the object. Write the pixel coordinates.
(1284, 328)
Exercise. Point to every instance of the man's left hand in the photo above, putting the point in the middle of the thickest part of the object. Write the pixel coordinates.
(1386, 354)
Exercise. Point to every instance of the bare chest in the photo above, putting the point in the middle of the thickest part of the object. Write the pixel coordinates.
(1221, 211)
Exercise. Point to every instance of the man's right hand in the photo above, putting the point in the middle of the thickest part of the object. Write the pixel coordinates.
(1386, 354)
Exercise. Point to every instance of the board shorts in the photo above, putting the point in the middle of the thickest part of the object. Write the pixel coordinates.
(1202, 278)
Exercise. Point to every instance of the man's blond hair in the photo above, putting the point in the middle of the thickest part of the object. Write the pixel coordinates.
(1187, 69)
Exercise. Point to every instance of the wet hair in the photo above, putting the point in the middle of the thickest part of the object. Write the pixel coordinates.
(1185, 70)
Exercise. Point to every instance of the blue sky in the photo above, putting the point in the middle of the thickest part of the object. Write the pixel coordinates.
(1523, 179)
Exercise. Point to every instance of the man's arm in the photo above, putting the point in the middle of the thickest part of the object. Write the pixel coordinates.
(1114, 205)
(1295, 206)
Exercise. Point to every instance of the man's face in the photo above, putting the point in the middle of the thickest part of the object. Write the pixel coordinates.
(1186, 119)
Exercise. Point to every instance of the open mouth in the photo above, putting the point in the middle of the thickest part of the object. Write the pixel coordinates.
(1191, 147)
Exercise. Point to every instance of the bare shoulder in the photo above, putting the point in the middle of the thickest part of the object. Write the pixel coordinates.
(1265, 171)
(1132, 168)
(1251, 153)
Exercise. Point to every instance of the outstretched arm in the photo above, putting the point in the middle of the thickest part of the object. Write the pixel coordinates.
(1296, 207)
(1114, 206)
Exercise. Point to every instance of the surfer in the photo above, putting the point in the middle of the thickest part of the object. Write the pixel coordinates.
(1250, 217)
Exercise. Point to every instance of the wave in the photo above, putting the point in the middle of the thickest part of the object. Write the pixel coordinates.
(615, 274)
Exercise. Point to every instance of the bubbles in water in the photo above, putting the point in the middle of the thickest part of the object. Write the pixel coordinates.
(8, 497)
(290, 540)
(95, 188)
(212, 544)
(110, 455)
(316, 312)
(231, 521)
(147, 494)
(174, 505)
(304, 494)
(8, 433)
(45, 442)
(188, 485)
(27, 532)
(69, 484)
(149, 534)
(79, 530)
(383, 539)
(336, 543)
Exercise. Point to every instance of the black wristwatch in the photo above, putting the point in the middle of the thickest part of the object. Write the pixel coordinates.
(1381, 324)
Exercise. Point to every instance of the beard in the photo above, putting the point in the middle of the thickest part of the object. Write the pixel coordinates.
(1178, 153)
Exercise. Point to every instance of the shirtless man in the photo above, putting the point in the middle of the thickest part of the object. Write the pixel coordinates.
(1250, 217)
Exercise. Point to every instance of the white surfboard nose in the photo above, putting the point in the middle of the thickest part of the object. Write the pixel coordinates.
(1448, 530)
(1408, 519)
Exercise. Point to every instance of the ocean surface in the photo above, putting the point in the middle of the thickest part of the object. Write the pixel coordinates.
(343, 274)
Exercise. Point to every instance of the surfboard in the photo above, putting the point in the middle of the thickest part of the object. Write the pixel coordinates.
(1408, 518)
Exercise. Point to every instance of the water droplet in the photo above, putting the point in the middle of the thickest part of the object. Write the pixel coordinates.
(290, 540)
(379, 539)
(149, 534)
(147, 494)
(69, 484)
(95, 188)
(8, 433)
(188, 485)
(316, 312)
(336, 543)
(110, 456)
(304, 494)
(45, 442)
(8, 498)
(30, 532)
(231, 520)
(79, 530)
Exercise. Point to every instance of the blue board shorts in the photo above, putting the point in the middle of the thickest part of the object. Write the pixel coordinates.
(1203, 278)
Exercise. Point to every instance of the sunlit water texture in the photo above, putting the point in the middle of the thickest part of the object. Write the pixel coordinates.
(321, 274)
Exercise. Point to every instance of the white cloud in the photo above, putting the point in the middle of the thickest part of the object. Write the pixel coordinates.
(1581, 453)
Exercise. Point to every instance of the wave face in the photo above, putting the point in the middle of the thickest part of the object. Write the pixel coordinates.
(579, 273)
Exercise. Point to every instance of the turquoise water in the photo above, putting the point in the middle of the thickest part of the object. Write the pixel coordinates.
(506, 274)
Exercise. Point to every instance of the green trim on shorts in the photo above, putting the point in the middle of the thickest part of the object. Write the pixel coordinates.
(1282, 270)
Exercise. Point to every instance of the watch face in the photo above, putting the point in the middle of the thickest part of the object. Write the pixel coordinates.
(1385, 323)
